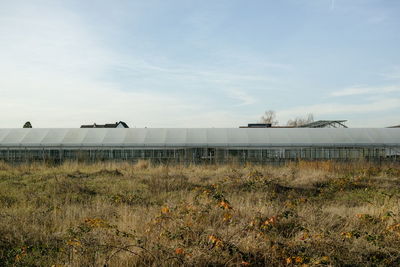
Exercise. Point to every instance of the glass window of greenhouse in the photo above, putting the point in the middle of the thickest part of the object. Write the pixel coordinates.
(202, 145)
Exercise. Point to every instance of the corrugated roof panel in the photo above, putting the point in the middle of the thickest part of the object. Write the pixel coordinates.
(361, 136)
(115, 137)
(74, 137)
(278, 136)
(176, 137)
(33, 138)
(155, 137)
(3, 134)
(217, 136)
(95, 137)
(54, 137)
(337, 136)
(134, 137)
(392, 136)
(14, 137)
(301, 137)
(257, 137)
(316, 137)
(379, 136)
(239, 138)
(196, 137)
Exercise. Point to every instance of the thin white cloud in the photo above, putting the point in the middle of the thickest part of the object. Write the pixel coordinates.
(189, 73)
(339, 109)
(49, 75)
(58, 101)
(52, 100)
(393, 74)
(243, 97)
(53, 67)
(50, 68)
(332, 4)
(375, 120)
(359, 90)
(377, 19)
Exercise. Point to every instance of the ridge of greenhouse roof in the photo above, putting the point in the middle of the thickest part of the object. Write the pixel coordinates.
(201, 137)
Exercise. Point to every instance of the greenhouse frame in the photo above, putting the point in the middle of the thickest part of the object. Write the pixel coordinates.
(200, 145)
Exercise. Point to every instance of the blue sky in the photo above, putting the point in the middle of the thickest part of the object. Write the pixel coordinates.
(158, 63)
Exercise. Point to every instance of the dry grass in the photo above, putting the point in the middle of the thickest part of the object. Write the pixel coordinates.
(308, 213)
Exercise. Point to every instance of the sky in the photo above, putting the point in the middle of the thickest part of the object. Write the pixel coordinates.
(209, 63)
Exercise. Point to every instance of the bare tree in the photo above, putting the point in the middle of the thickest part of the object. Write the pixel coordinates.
(269, 117)
(298, 121)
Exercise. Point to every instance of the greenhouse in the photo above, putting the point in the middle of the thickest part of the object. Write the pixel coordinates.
(200, 145)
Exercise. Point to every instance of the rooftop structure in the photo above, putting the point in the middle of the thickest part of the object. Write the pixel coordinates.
(325, 124)
(257, 125)
(315, 124)
(120, 124)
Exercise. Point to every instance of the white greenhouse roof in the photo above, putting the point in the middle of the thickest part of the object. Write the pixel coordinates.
(198, 137)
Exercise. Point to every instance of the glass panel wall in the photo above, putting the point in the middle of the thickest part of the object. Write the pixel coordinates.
(201, 154)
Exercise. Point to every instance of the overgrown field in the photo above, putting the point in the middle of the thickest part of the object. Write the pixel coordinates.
(304, 214)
